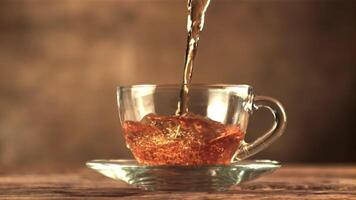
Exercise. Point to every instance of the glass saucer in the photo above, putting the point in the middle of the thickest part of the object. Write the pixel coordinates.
(183, 178)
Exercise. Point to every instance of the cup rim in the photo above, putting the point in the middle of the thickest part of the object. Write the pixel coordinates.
(195, 85)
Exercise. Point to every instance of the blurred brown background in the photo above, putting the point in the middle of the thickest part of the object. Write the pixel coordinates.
(60, 62)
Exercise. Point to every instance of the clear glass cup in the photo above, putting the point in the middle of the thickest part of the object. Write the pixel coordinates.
(227, 104)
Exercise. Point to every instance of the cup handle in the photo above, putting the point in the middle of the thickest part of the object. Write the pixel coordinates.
(280, 121)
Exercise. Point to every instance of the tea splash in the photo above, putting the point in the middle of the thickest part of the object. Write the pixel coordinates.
(181, 140)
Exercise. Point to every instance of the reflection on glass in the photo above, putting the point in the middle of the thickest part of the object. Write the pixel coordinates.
(217, 107)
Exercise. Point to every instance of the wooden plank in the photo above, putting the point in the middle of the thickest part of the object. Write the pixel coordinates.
(291, 182)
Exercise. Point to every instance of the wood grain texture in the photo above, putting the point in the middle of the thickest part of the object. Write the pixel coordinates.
(291, 182)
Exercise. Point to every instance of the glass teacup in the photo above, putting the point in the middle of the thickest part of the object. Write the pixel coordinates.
(211, 133)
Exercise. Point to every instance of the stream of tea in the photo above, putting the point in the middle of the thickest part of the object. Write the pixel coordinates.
(195, 24)
(184, 138)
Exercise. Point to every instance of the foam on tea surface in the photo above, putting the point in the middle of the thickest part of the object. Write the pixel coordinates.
(181, 140)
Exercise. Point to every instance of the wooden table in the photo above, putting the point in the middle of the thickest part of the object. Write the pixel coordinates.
(289, 182)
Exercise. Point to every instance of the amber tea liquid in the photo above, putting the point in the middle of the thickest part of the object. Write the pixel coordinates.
(181, 140)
